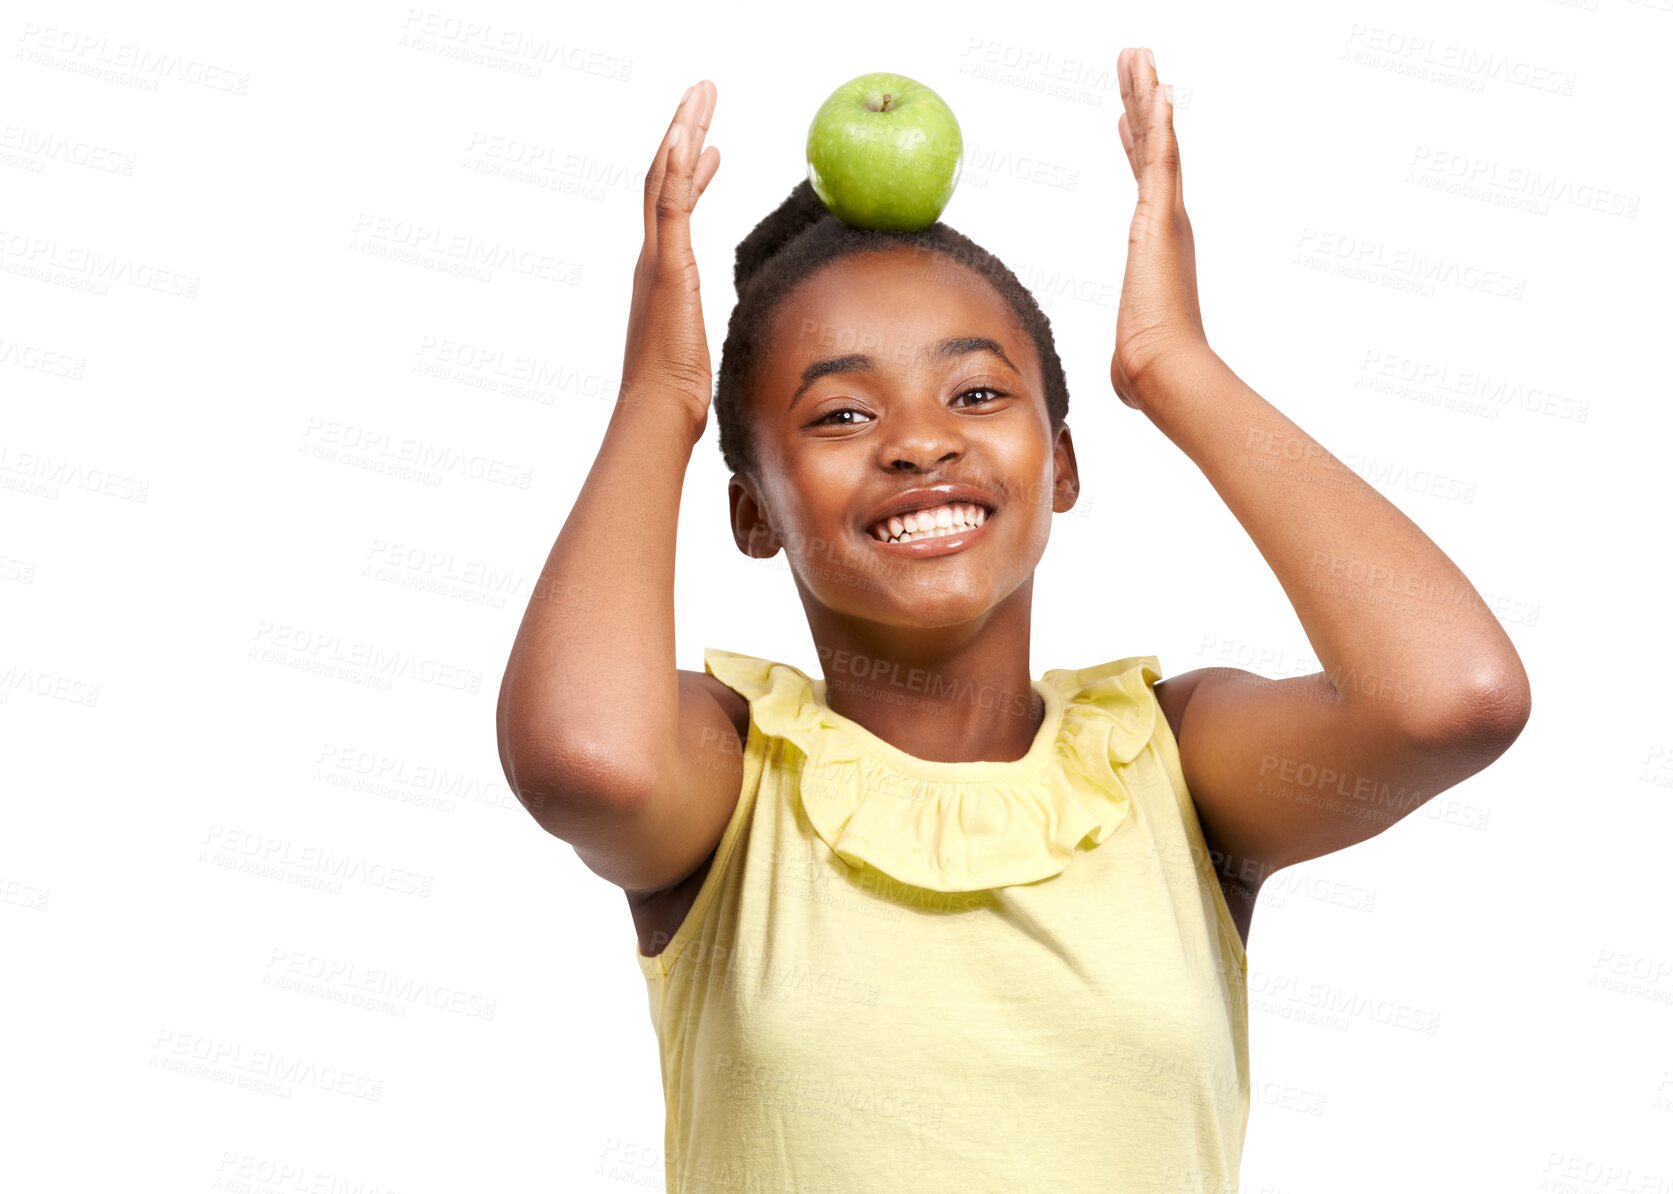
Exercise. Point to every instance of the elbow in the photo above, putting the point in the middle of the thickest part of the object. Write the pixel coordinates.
(1504, 707)
(570, 784)
(1483, 718)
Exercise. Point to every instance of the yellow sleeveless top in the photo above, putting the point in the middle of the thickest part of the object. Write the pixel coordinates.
(903, 974)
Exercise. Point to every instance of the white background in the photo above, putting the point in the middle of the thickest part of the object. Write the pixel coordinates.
(245, 654)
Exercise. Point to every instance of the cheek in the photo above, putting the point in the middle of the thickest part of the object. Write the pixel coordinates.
(1024, 469)
(813, 500)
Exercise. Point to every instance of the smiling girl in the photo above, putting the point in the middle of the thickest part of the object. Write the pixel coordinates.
(927, 922)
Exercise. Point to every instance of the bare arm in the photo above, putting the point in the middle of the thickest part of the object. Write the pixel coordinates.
(599, 735)
(1421, 686)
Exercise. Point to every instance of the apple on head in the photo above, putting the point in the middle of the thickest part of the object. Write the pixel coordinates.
(884, 152)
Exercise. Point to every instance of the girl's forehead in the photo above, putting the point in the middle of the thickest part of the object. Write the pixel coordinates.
(906, 273)
(895, 307)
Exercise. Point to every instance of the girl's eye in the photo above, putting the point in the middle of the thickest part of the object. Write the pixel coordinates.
(983, 390)
(827, 420)
(845, 410)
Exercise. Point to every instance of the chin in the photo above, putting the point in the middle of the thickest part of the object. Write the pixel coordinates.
(916, 598)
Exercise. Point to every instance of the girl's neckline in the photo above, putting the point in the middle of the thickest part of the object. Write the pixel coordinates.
(1039, 751)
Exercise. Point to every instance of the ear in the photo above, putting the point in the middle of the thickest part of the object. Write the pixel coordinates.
(1065, 473)
(751, 531)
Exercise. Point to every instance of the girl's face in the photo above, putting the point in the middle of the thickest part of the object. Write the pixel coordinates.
(889, 371)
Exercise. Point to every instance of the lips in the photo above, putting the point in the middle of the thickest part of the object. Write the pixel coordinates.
(931, 497)
(941, 541)
(949, 519)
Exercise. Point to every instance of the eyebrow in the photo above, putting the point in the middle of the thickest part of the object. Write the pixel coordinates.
(859, 362)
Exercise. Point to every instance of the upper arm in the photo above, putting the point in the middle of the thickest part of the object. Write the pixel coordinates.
(647, 830)
(1283, 771)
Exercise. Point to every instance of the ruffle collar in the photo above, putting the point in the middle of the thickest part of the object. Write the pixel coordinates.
(960, 826)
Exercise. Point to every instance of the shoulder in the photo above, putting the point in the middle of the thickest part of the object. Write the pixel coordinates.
(1174, 693)
(735, 705)
(753, 689)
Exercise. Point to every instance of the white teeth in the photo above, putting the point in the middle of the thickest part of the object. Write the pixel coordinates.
(930, 524)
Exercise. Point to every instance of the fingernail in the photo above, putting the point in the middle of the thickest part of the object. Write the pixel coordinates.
(1167, 89)
(1152, 59)
(688, 92)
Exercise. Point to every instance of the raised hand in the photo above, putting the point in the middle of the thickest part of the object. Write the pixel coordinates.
(1159, 320)
(667, 356)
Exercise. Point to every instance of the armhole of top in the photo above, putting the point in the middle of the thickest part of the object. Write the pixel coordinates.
(753, 758)
(1168, 746)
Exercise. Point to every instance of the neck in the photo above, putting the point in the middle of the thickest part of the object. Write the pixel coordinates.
(950, 694)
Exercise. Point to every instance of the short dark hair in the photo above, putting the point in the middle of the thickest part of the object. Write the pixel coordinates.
(800, 237)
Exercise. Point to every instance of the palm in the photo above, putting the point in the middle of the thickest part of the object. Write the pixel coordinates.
(666, 359)
(1159, 316)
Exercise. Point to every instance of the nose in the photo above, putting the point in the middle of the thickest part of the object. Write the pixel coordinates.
(921, 442)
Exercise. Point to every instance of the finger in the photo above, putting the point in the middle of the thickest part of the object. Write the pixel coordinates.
(659, 164)
(1141, 86)
(678, 193)
(706, 167)
(706, 108)
(1173, 149)
(707, 158)
(1127, 143)
(1124, 73)
(1162, 177)
(1157, 150)
(1141, 71)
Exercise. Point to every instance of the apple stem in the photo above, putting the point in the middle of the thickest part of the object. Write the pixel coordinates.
(888, 98)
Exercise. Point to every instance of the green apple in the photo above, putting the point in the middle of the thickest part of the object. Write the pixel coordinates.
(884, 151)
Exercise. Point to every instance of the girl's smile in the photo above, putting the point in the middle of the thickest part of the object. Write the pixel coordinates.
(933, 520)
(910, 411)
